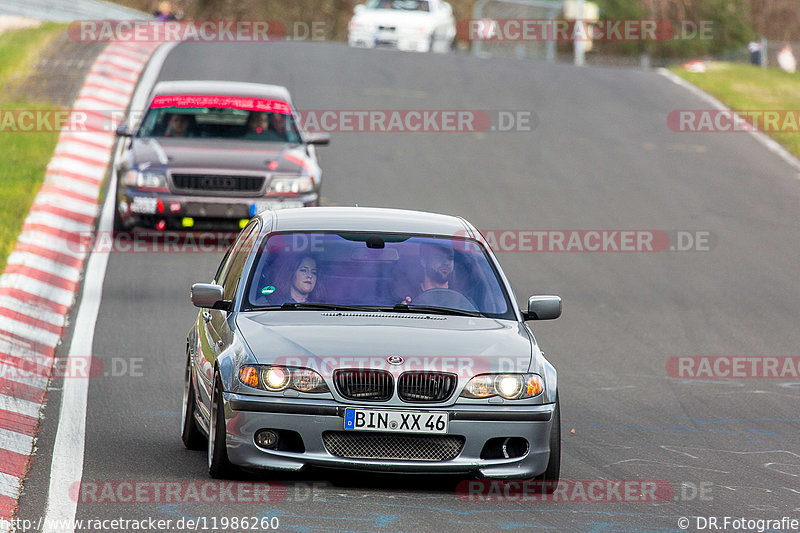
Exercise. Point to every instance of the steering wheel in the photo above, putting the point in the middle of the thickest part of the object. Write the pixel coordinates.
(445, 298)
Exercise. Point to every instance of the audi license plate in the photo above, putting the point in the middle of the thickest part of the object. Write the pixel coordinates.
(399, 421)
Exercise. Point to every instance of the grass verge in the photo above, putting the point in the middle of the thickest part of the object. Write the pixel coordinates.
(25, 154)
(750, 88)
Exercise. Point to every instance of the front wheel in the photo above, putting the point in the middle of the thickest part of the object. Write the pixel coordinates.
(191, 435)
(549, 479)
(219, 467)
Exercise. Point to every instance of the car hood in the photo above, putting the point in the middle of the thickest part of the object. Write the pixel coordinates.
(230, 155)
(339, 339)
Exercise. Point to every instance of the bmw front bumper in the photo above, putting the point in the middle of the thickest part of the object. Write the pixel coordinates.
(312, 420)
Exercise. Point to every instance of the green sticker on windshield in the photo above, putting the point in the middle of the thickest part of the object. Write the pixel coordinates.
(269, 289)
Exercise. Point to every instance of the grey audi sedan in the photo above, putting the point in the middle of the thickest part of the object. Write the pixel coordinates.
(372, 339)
(212, 154)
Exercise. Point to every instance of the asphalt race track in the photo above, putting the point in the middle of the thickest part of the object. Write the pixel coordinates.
(600, 157)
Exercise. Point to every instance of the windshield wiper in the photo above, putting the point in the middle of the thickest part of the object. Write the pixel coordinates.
(303, 306)
(434, 309)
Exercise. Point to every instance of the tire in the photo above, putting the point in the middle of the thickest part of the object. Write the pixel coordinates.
(219, 467)
(118, 226)
(549, 479)
(191, 435)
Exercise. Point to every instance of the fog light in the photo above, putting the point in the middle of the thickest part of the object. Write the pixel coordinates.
(187, 222)
(243, 222)
(267, 438)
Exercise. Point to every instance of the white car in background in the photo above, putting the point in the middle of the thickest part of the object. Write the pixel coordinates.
(412, 25)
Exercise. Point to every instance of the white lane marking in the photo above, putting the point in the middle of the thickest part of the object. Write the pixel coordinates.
(38, 288)
(27, 331)
(68, 450)
(85, 150)
(16, 405)
(768, 143)
(105, 69)
(25, 375)
(9, 486)
(97, 78)
(18, 349)
(101, 138)
(67, 463)
(119, 61)
(42, 263)
(101, 99)
(55, 221)
(70, 204)
(15, 442)
(93, 171)
(32, 311)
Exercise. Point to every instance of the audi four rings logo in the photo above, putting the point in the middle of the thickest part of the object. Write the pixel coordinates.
(395, 360)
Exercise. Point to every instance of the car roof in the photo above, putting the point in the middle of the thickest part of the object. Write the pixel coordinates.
(369, 219)
(222, 88)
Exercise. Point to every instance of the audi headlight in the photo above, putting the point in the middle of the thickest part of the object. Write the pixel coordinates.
(291, 184)
(508, 386)
(279, 378)
(146, 178)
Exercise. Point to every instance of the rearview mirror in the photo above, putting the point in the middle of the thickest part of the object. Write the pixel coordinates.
(543, 308)
(123, 131)
(207, 296)
(318, 138)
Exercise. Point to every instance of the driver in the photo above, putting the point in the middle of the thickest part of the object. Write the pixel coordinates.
(437, 267)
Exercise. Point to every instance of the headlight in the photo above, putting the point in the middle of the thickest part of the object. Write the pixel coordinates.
(280, 378)
(145, 178)
(356, 26)
(508, 386)
(291, 184)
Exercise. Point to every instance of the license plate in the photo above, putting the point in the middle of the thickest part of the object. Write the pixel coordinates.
(399, 421)
(274, 206)
(144, 205)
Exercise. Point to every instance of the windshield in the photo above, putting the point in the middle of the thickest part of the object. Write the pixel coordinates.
(388, 271)
(402, 5)
(220, 117)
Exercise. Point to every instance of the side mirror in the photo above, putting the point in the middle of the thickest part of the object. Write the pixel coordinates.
(123, 131)
(543, 308)
(208, 296)
(318, 138)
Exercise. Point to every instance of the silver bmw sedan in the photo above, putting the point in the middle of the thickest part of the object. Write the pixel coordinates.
(372, 339)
